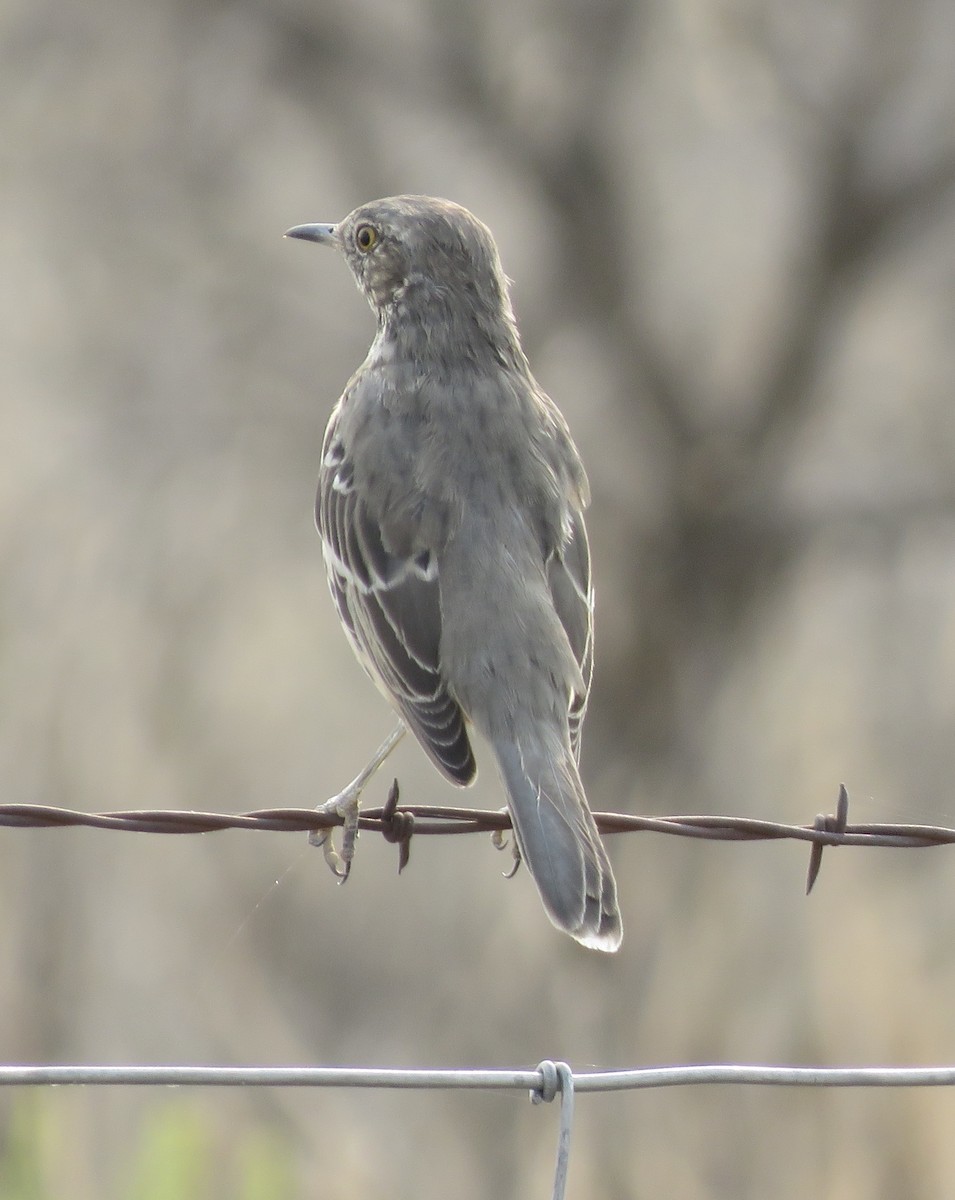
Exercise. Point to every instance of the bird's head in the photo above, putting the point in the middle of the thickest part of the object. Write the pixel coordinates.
(410, 247)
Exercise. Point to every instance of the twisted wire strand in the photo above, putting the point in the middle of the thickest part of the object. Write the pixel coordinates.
(398, 824)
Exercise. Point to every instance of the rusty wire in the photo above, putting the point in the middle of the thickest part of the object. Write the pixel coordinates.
(398, 825)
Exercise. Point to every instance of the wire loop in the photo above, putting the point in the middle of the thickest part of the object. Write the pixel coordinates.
(557, 1077)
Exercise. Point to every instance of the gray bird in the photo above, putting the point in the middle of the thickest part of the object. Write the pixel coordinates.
(450, 505)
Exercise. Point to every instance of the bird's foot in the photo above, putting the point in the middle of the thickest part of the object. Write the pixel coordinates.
(347, 805)
(500, 841)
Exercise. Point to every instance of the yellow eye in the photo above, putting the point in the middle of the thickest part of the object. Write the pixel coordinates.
(366, 236)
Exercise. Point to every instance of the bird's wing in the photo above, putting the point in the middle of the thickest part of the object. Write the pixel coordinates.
(568, 575)
(390, 608)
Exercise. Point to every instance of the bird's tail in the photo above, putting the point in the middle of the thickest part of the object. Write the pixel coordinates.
(557, 836)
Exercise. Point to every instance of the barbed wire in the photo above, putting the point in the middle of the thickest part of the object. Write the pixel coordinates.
(545, 1083)
(551, 1078)
(398, 824)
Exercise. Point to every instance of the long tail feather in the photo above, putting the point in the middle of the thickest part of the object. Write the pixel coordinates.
(558, 838)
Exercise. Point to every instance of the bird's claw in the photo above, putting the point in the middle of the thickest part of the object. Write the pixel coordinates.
(500, 841)
(345, 805)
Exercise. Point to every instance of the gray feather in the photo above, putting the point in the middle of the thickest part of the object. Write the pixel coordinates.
(558, 838)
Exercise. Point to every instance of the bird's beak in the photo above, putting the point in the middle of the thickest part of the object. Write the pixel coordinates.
(324, 234)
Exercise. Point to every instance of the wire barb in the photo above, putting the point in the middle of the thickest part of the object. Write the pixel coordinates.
(827, 824)
(397, 827)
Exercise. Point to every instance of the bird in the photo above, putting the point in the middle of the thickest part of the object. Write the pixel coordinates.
(451, 505)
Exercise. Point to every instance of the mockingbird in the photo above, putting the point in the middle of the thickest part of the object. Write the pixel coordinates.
(450, 505)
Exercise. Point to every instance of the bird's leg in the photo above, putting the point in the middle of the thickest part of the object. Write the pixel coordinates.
(346, 805)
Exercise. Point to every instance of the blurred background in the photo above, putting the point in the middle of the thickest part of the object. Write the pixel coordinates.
(731, 230)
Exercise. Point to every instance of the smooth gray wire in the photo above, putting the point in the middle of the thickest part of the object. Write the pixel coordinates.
(519, 1079)
(549, 1080)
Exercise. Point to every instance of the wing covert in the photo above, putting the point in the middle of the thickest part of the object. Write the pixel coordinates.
(390, 608)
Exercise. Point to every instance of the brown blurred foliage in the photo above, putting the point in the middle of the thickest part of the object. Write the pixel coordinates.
(731, 229)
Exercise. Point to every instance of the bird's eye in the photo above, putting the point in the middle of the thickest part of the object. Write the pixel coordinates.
(366, 236)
